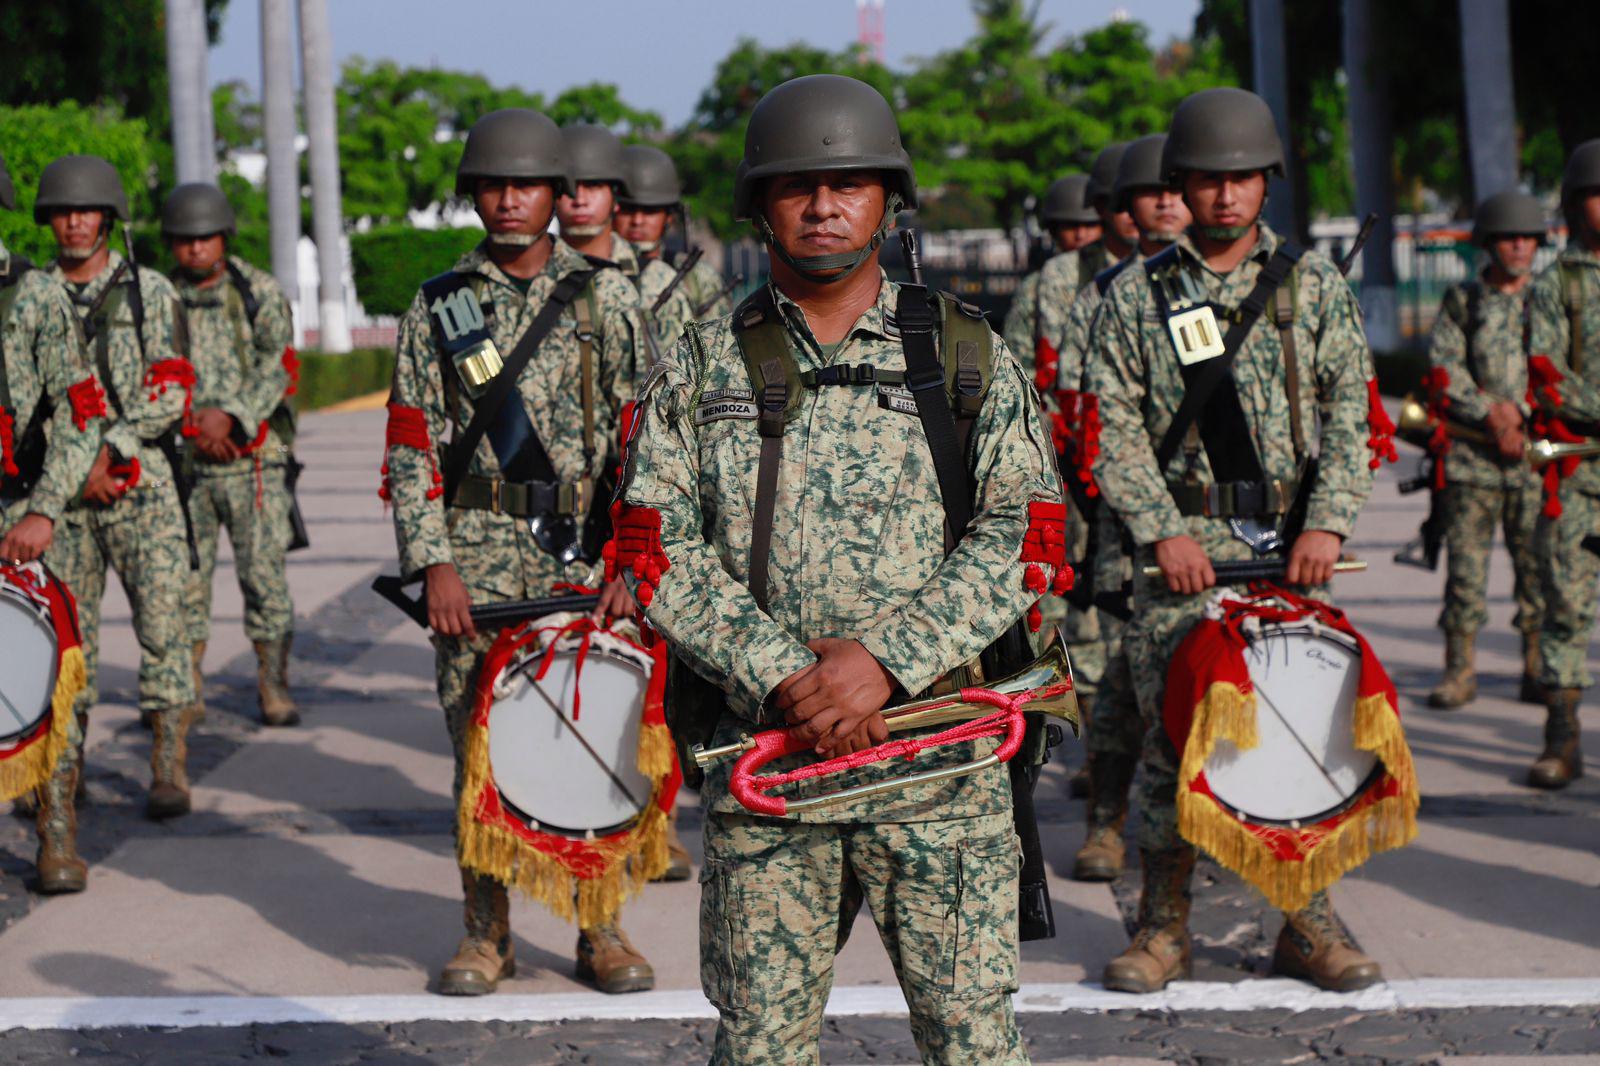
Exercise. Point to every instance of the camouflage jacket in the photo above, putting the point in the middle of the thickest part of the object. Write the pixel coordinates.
(1039, 309)
(241, 367)
(704, 288)
(1134, 370)
(1072, 368)
(858, 541)
(495, 554)
(43, 368)
(144, 383)
(675, 314)
(1488, 366)
(1570, 381)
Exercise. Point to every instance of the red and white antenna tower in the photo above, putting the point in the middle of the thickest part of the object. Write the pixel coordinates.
(869, 27)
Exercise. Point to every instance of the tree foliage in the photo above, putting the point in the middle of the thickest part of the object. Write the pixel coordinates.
(389, 262)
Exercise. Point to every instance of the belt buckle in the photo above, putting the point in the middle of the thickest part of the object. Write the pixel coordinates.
(495, 506)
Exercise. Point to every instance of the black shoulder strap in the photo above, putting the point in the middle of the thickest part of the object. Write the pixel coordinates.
(1103, 280)
(459, 456)
(916, 315)
(1217, 368)
(252, 305)
(775, 389)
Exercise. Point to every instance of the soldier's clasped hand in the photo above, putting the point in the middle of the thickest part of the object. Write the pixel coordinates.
(27, 540)
(1312, 557)
(449, 606)
(1185, 565)
(832, 699)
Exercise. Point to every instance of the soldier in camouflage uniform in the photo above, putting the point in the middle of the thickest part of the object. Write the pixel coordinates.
(586, 218)
(1480, 375)
(654, 197)
(1113, 727)
(239, 336)
(852, 603)
(51, 413)
(1564, 344)
(1219, 151)
(479, 547)
(129, 516)
(1065, 213)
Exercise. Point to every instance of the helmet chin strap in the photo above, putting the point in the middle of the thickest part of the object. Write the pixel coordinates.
(828, 269)
(1224, 233)
(516, 240)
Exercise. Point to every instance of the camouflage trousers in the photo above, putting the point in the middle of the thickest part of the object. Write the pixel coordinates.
(457, 663)
(777, 903)
(1080, 627)
(142, 539)
(256, 515)
(1570, 575)
(1160, 623)
(1475, 511)
(1114, 729)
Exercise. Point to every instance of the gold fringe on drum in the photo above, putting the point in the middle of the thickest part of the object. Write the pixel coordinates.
(29, 760)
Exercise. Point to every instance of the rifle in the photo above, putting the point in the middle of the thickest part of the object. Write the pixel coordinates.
(727, 287)
(170, 442)
(1013, 648)
(1349, 259)
(484, 616)
(298, 536)
(1423, 550)
(686, 264)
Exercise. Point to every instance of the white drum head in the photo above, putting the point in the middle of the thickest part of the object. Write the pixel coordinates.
(556, 781)
(27, 665)
(1306, 766)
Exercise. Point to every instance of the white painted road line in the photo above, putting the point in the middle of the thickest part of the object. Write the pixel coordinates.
(84, 1012)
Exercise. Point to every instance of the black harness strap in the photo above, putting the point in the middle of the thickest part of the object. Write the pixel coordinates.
(755, 322)
(925, 377)
(1213, 372)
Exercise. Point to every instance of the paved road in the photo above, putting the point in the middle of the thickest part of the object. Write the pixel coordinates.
(316, 870)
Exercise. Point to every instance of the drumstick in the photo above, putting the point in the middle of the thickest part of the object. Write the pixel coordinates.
(487, 615)
(1260, 569)
(533, 683)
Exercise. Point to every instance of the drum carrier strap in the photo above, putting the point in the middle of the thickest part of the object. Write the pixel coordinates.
(1572, 296)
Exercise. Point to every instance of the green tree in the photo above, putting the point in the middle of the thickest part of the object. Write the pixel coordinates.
(33, 135)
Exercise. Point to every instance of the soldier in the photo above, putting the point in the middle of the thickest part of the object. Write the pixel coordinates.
(1219, 152)
(1072, 224)
(239, 332)
(654, 197)
(1118, 234)
(1564, 339)
(1113, 727)
(471, 537)
(586, 217)
(51, 414)
(816, 600)
(130, 515)
(1480, 370)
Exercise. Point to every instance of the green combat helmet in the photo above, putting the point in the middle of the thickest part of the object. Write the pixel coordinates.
(1225, 130)
(650, 176)
(1512, 213)
(595, 155)
(1066, 203)
(514, 143)
(1583, 170)
(1103, 174)
(1140, 169)
(8, 191)
(196, 210)
(823, 122)
(84, 181)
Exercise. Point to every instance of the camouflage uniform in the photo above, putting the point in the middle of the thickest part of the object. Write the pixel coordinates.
(495, 554)
(1134, 371)
(649, 277)
(1486, 490)
(142, 535)
(43, 357)
(859, 556)
(1570, 572)
(704, 287)
(239, 368)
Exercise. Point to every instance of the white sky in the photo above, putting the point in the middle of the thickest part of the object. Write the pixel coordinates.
(660, 52)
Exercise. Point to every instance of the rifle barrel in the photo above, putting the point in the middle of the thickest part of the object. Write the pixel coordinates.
(1260, 569)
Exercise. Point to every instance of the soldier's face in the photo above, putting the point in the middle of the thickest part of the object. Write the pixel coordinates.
(824, 212)
(641, 225)
(514, 209)
(77, 230)
(1515, 254)
(199, 256)
(589, 211)
(1160, 214)
(1225, 199)
(1588, 210)
(1074, 235)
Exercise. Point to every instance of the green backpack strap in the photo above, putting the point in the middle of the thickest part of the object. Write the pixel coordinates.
(775, 388)
(1572, 295)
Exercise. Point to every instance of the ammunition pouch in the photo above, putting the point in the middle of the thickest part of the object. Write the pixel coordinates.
(1227, 499)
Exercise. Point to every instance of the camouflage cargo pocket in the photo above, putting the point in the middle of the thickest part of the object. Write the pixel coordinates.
(985, 941)
(719, 947)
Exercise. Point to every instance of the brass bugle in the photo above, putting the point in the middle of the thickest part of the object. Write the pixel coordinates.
(1416, 427)
(1050, 675)
(1259, 569)
(1544, 452)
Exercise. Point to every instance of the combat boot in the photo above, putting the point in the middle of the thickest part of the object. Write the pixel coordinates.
(1160, 952)
(272, 683)
(198, 657)
(1562, 761)
(485, 955)
(1531, 691)
(59, 867)
(169, 776)
(679, 865)
(1460, 684)
(1104, 853)
(608, 959)
(1313, 947)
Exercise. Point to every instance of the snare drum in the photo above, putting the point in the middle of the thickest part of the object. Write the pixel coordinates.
(41, 671)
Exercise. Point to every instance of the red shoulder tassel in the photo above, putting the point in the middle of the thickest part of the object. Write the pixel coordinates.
(1045, 544)
(408, 428)
(178, 372)
(1045, 361)
(636, 545)
(88, 401)
(1381, 428)
(291, 363)
(8, 444)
